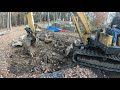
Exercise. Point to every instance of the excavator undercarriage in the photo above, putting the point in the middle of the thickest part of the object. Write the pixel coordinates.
(95, 57)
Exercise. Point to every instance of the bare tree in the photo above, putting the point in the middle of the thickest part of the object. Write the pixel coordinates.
(9, 26)
(8, 20)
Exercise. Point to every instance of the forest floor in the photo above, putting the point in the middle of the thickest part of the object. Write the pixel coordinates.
(11, 59)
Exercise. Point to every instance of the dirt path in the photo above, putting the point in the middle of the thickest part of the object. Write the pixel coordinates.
(5, 48)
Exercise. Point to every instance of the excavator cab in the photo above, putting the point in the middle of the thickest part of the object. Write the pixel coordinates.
(103, 41)
(100, 40)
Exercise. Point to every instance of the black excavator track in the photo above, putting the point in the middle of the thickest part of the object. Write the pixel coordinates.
(97, 59)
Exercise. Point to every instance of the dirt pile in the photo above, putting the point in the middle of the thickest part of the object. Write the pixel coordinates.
(49, 60)
(50, 49)
(49, 54)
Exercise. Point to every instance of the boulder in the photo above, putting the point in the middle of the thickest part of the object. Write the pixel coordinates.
(16, 43)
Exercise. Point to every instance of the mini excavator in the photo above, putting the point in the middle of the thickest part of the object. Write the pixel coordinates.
(94, 50)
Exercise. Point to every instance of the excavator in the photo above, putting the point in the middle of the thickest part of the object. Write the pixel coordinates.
(94, 50)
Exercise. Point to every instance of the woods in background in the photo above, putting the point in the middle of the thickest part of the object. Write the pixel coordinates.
(9, 19)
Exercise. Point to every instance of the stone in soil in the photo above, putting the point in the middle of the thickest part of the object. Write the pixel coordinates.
(16, 43)
(52, 75)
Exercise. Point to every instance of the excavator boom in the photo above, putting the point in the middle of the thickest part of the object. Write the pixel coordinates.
(29, 20)
(84, 21)
(82, 18)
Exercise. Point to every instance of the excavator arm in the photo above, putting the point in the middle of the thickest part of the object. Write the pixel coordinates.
(29, 20)
(30, 28)
(82, 18)
(84, 22)
(77, 27)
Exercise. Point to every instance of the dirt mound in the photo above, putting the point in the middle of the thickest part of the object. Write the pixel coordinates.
(49, 53)
(49, 57)
(51, 46)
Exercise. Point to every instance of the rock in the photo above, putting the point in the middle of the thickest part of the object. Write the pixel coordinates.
(77, 42)
(68, 49)
(3, 33)
(48, 41)
(52, 75)
(53, 54)
(16, 43)
(22, 37)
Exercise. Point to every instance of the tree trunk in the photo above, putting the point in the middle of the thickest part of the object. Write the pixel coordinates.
(15, 21)
(54, 17)
(60, 16)
(18, 19)
(70, 19)
(48, 19)
(40, 17)
(8, 21)
(3, 22)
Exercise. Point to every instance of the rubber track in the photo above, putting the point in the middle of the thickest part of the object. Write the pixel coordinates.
(94, 59)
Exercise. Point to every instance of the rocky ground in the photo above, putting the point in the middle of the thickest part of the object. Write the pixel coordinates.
(48, 61)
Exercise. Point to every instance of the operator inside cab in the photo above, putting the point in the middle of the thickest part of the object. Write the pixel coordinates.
(115, 28)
